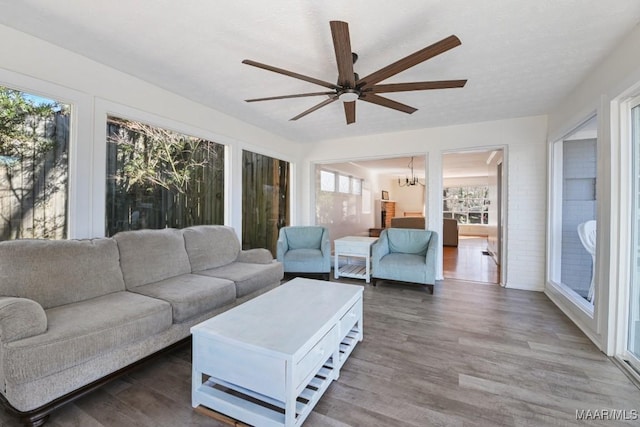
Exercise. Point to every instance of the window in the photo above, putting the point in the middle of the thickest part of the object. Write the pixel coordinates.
(468, 205)
(356, 186)
(265, 200)
(341, 211)
(343, 184)
(327, 181)
(34, 173)
(158, 178)
(573, 212)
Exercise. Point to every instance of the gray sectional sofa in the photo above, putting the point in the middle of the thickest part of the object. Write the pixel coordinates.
(73, 312)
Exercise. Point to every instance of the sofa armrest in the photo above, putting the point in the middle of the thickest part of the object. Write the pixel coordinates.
(255, 256)
(21, 318)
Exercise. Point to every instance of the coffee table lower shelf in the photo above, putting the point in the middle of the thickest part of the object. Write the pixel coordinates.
(240, 403)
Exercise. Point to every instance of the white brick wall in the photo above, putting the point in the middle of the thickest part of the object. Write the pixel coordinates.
(527, 177)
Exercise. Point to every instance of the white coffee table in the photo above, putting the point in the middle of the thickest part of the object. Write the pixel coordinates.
(269, 360)
(353, 246)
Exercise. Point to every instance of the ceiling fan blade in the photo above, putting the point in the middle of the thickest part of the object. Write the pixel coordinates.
(344, 58)
(350, 111)
(299, 95)
(386, 102)
(290, 74)
(315, 107)
(405, 87)
(409, 61)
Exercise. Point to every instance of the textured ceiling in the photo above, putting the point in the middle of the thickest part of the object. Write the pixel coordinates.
(520, 56)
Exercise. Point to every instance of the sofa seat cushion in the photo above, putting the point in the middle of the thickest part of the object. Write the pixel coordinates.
(84, 330)
(191, 294)
(248, 277)
(402, 267)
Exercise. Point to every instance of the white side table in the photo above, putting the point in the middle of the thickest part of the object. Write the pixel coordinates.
(354, 246)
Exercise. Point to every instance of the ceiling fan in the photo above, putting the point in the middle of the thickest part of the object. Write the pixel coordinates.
(350, 87)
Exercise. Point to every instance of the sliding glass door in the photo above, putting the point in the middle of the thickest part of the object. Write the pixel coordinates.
(633, 339)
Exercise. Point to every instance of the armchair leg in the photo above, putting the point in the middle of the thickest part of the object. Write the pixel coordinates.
(374, 281)
(430, 288)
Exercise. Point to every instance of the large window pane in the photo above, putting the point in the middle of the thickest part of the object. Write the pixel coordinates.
(157, 178)
(468, 205)
(265, 200)
(34, 147)
(574, 211)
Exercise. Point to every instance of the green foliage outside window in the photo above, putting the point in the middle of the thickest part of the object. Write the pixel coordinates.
(159, 178)
(34, 142)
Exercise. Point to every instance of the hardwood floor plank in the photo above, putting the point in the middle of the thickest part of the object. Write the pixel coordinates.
(468, 355)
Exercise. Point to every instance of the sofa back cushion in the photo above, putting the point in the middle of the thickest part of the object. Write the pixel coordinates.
(304, 237)
(148, 256)
(58, 272)
(211, 246)
(408, 241)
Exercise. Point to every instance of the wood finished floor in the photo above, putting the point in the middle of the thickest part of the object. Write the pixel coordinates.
(467, 262)
(468, 355)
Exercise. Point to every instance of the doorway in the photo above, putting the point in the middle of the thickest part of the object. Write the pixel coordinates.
(472, 207)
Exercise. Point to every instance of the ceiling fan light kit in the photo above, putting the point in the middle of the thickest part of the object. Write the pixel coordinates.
(350, 87)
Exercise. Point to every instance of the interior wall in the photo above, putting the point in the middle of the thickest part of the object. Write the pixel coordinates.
(408, 199)
(33, 65)
(523, 139)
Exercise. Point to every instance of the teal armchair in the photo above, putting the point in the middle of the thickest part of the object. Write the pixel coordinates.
(305, 250)
(405, 255)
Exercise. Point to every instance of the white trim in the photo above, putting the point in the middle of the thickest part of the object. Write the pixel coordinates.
(627, 258)
(105, 108)
(580, 317)
(79, 191)
(504, 265)
(590, 318)
(233, 160)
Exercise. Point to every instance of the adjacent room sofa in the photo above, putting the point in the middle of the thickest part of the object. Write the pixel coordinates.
(72, 312)
(405, 255)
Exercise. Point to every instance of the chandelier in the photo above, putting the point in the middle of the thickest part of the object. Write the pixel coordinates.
(410, 182)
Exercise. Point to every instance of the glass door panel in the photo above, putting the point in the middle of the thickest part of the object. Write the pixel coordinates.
(634, 292)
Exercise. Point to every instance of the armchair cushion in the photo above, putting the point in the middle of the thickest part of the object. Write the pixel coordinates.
(303, 237)
(405, 241)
